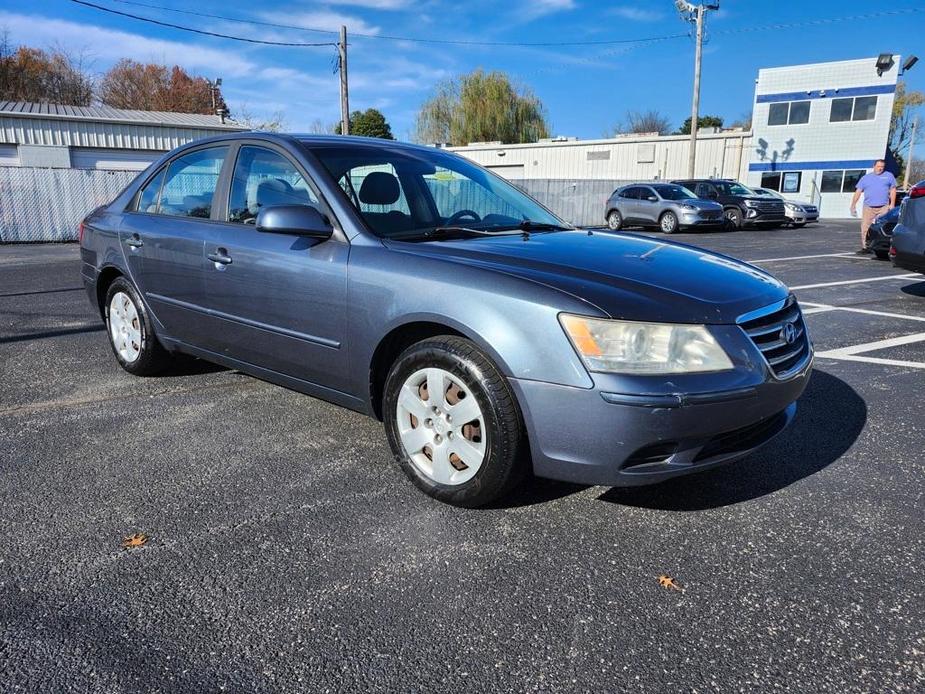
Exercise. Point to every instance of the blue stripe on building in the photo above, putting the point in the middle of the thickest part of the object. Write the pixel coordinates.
(826, 93)
(812, 165)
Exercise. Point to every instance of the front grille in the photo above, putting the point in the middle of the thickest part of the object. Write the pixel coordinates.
(768, 206)
(810, 208)
(769, 331)
(742, 439)
(655, 454)
(712, 214)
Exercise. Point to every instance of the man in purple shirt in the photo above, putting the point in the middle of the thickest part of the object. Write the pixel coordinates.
(879, 190)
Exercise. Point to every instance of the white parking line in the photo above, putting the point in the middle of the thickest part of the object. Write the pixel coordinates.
(855, 352)
(875, 360)
(858, 281)
(820, 308)
(803, 257)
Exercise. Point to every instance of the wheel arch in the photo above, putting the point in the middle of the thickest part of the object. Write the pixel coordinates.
(107, 276)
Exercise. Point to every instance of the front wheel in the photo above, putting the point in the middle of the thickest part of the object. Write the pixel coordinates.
(733, 218)
(668, 222)
(452, 422)
(614, 220)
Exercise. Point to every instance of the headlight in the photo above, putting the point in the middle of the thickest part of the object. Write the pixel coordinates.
(643, 348)
(751, 203)
(689, 208)
(790, 206)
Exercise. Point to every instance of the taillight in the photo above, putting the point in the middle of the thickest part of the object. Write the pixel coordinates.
(918, 190)
(80, 233)
(892, 252)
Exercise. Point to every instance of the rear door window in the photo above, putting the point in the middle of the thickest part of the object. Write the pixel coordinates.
(190, 183)
(147, 198)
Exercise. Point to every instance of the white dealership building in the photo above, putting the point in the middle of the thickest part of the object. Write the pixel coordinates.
(815, 130)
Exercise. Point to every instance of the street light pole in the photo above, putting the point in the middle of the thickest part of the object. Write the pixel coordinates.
(695, 102)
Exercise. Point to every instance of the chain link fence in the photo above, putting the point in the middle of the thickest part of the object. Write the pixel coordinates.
(42, 205)
(39, 205)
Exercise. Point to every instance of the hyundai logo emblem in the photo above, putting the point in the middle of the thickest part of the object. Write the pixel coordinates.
(789, 333)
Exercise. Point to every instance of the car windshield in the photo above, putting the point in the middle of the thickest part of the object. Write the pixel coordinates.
(765, 193)
(674, 193)
(732, 188)
(414, 193)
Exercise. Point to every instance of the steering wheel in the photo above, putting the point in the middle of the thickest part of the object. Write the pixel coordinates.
(461, 214)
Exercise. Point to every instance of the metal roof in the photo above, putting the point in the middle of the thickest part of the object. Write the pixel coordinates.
(108, 114)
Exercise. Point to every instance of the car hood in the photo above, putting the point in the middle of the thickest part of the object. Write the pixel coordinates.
(699, 203)
(627, 276)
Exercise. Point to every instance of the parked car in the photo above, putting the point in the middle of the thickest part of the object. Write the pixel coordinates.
(740, 205)
(798, 213)
(412, 285)
(908, 243)
(880, 233)
(664, 205)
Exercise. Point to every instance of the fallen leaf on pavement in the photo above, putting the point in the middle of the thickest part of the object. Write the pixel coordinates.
(136, 540)
(667, 582)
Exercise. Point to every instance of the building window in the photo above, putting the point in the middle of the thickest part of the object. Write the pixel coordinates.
(851, 180)
(786, 182)
(856, 108)
(831, 181)
(841, 181)
(788, 113)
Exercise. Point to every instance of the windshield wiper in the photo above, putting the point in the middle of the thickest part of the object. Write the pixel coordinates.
(530, 225)
(444, 233)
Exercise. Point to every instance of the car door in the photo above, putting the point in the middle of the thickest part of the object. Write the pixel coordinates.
(647, 209)
(277, 301)
(629, 204)
(162, 239)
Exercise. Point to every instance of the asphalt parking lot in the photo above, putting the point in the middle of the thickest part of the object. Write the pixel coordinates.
(286, 553)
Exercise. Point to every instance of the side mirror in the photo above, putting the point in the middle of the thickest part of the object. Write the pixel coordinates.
(299, 220)
(652, 198)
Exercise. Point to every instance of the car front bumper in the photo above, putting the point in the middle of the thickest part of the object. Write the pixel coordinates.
(593, 436)
(803, 217)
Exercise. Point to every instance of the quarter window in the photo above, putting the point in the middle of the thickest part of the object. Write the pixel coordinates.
(788, 113)
(853, 108)
(263, 178)
(147, 199)
(190, 183)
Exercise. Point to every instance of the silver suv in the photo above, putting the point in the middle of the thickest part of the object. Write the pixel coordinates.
(664, 205)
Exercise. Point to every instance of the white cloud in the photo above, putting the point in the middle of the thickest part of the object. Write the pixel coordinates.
(322, 19)
(540, 8)
(635, 14)
(110, 45)
(374, 4)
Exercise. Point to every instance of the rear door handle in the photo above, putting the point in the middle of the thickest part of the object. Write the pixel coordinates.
(134, 241)
(220, 256)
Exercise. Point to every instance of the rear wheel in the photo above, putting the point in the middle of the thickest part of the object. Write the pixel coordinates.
(130, 333)
(668, 222)
(733, 218)
(614, 220)
(452, 422)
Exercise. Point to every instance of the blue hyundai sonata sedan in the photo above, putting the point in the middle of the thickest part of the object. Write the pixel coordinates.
(489, 336)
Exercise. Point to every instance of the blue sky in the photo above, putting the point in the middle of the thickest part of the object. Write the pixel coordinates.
(586, 89)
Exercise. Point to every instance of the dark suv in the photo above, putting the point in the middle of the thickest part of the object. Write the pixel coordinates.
(741, 206)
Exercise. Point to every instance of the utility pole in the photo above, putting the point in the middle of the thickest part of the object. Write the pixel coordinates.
(696, 14)
(695, 102)
(344, 100)
(915, 125)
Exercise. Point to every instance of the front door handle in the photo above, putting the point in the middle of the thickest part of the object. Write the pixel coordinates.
(134, 241)
(220, 256)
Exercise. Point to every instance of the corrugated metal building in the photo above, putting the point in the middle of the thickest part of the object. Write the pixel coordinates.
(59, 162)
(637, 157)
(96, 137)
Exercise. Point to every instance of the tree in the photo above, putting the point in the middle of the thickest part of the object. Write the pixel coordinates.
(744, 122)
(481, 106)
(916, 170)
(905, 104)
(702, 122)
(151, 87)
(368, 123)
(32, 74)
(275, 123)
(650, 121)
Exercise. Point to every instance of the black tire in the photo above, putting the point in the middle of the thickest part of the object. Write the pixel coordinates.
(614, 220)
(152, 357)
(668, 222)
(882, 255)
(733, 216)
(798, 225)
(503, 465)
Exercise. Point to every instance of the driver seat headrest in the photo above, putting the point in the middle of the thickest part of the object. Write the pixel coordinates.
(379, 188)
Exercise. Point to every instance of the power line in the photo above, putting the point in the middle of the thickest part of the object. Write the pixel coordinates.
(458, 42)
(200, 31)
